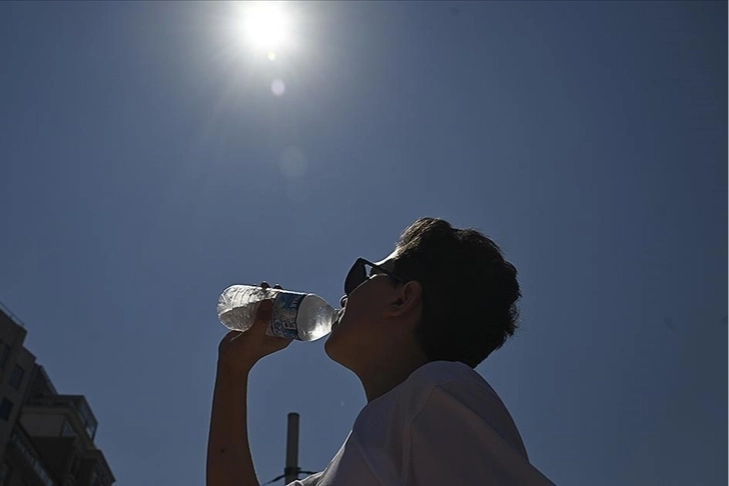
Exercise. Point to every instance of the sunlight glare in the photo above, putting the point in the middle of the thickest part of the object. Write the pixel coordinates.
(266, 24)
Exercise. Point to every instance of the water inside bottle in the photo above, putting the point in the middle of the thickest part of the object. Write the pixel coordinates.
(240, 318)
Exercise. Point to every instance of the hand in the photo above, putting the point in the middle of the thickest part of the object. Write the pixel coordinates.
(242, 350)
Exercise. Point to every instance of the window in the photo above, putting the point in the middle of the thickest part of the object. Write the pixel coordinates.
(94, 481)
(67, 430)
(4, 474)
(86, 417)
(5, 408)
(4, 353)
(17, 377)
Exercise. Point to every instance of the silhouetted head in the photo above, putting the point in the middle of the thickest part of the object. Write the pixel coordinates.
(443, 294)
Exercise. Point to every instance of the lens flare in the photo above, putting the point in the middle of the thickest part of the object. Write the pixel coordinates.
(278, 88)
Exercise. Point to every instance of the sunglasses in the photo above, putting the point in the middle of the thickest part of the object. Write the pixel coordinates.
(361, 271)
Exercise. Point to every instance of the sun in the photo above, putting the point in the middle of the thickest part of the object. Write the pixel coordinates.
(266, 25)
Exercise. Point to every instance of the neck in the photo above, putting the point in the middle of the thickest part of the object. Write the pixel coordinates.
(389, 371)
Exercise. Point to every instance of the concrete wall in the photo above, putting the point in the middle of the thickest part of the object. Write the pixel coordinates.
(42, 424)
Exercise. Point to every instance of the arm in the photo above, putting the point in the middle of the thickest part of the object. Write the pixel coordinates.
(229, 460)
(229, 455)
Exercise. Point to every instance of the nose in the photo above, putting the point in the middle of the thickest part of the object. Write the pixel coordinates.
(343, 301)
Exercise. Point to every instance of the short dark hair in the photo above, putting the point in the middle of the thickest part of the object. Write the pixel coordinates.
(469, 290)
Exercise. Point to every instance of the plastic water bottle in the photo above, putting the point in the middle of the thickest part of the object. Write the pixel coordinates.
(295, 315)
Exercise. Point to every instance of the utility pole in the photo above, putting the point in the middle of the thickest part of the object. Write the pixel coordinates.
(292, 469)
(292, 449)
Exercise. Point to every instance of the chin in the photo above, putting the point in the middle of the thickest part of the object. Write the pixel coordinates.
(330, 346)
(333, 349)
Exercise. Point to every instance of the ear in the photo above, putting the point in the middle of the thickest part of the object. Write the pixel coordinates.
(406, 299)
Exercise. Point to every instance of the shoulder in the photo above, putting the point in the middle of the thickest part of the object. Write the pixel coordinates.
(434, 378)
(454, 395)
(403, 403)
(445, 374)
(442, 372)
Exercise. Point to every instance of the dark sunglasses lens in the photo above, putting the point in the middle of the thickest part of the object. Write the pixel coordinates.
(357, 274)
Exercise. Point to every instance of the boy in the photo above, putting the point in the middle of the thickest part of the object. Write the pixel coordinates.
(413, 327)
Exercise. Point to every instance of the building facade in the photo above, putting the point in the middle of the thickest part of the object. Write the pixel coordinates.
(46, 438)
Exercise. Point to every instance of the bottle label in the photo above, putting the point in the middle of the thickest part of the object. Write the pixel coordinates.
(285, 309)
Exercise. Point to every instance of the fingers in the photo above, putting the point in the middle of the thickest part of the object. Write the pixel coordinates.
(263, 315)
(265, 309)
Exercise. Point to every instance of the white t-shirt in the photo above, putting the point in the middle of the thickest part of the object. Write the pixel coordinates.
(442, 426)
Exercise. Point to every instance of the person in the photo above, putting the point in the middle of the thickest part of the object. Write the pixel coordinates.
(413, 328)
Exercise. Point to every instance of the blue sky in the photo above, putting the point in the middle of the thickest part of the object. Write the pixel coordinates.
(145, 165)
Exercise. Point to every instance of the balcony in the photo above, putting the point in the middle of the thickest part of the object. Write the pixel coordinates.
(25, 448)
(76, 403)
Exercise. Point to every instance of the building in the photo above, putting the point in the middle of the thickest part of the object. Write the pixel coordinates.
(46, 438)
